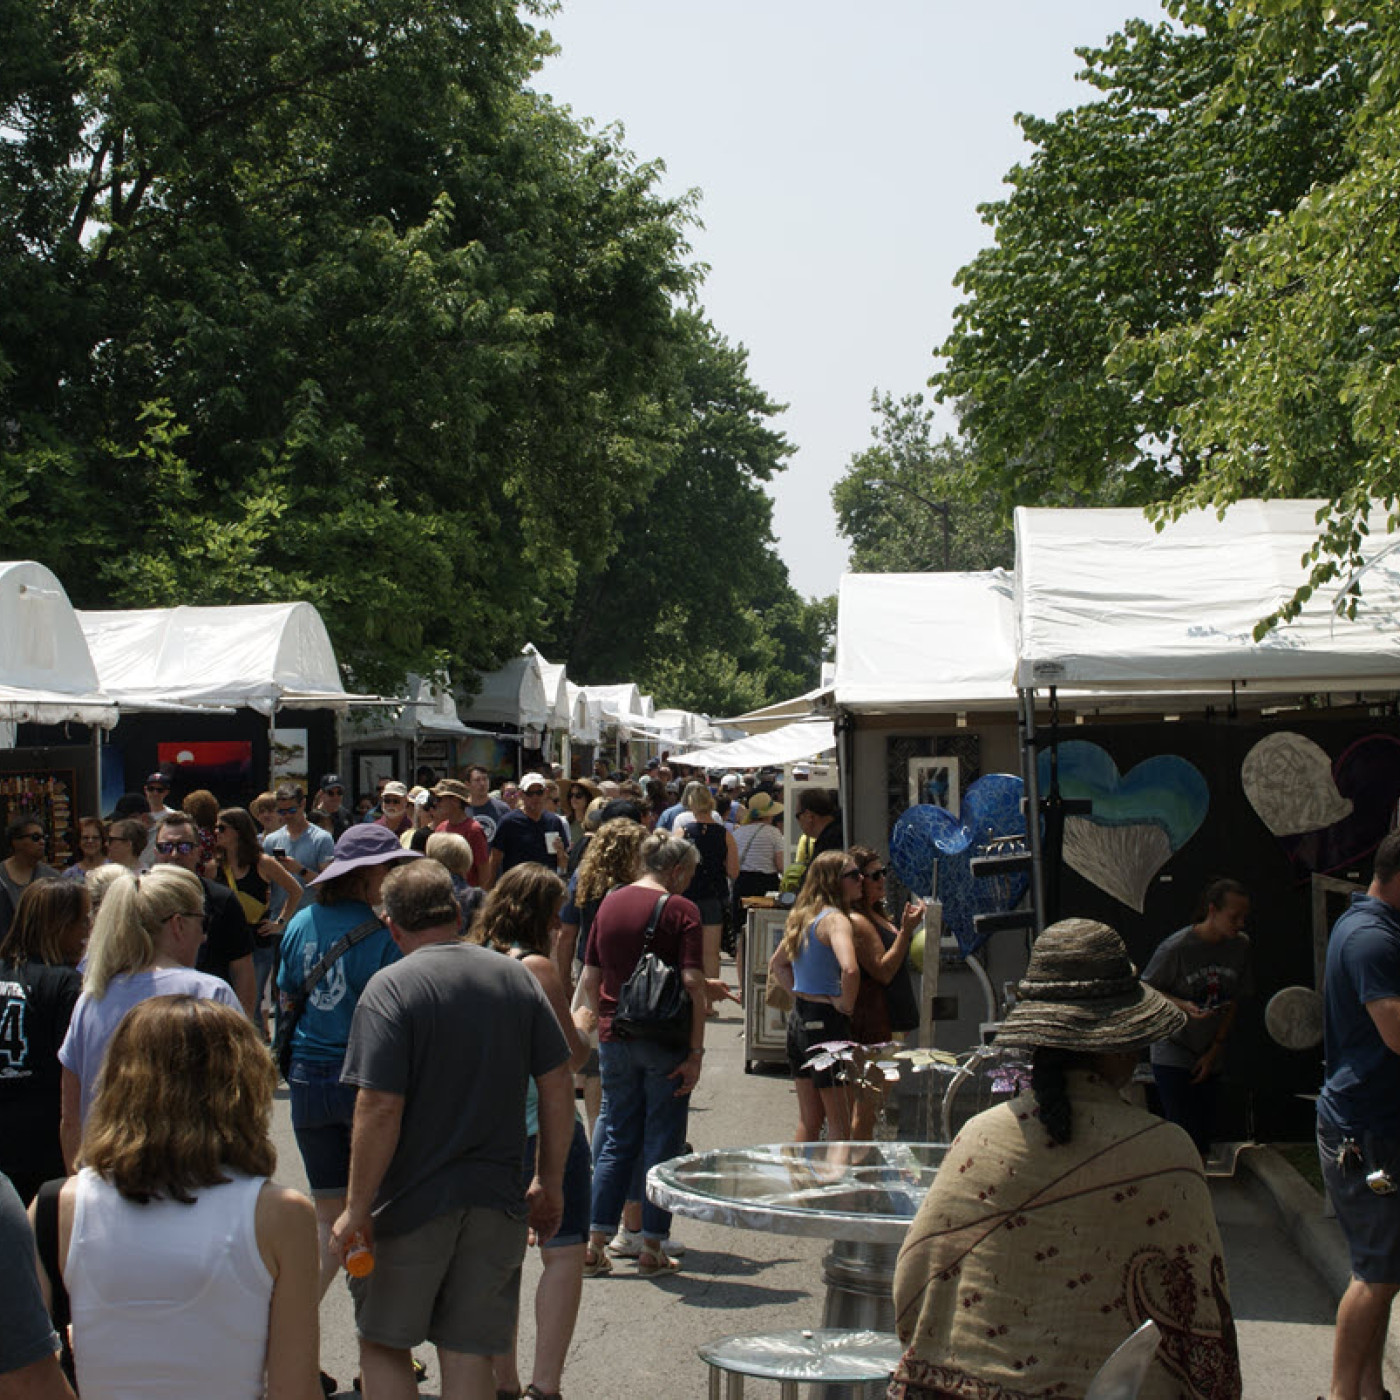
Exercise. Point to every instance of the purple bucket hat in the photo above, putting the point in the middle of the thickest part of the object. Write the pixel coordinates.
(365, 845)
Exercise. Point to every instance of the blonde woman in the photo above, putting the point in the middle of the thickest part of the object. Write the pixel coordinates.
(189, 1272)
(144, 944)
(700, 824)
(816, 962)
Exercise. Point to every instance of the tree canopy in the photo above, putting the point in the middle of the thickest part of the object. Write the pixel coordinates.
(906, 503)
(1122, 228)
(321, 300)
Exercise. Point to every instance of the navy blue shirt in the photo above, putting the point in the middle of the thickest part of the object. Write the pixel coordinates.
(1362, 1090)
(519, 839)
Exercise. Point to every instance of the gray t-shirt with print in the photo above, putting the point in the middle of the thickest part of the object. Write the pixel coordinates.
(458, 1030)
(1211, 974)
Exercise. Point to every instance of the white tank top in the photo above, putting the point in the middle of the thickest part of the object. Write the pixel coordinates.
(168, 1300)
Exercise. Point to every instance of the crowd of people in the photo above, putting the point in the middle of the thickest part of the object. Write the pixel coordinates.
(381, 956)
(378, 956)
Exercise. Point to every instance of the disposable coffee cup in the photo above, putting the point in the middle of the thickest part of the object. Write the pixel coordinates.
(551, 842)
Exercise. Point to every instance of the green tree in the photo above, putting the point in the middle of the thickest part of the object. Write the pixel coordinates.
(1118, 228)
(1288, 379)
(321, 301)
(906, 503)
(695, 604)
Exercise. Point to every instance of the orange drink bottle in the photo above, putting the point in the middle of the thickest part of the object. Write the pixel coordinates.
(359, 1257)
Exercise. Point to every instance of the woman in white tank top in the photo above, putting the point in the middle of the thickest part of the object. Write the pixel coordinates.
(188, 1271)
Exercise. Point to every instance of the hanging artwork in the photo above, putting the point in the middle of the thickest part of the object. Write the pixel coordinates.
(932, 852)
(1288, 780)
(1365, 778)
(1139, 819)
(933, 782)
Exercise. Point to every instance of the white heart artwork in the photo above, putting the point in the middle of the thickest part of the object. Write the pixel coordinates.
(1288, 780)
(1120, 860)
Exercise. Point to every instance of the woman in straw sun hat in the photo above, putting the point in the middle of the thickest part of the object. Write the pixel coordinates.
(1063, 1219)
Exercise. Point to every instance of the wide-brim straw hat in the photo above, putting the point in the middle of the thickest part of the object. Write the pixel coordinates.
(1081, 992)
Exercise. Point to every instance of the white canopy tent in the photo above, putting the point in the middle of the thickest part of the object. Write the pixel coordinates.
(1106, 602)
(790, 744)
(781, 712)
(915, 643)
(585, 717)
(513, 695)
(430, 712)
(47, 675)
(556, 693)
(263, 656)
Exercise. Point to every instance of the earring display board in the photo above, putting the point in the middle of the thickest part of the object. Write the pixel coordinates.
(46, 798)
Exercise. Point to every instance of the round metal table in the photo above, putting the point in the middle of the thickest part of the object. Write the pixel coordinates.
(860, 1195)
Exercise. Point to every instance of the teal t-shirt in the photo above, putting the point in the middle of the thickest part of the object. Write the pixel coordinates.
(324, 1029)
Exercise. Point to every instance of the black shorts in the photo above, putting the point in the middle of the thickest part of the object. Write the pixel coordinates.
(1370, 1223)
(809, 1024)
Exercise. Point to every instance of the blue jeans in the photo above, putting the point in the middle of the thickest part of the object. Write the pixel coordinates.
(645, 1120)
(323, 1110)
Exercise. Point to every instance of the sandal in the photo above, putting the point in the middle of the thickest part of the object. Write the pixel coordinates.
(596, 1263)
(650, 1263)
(533, 1392)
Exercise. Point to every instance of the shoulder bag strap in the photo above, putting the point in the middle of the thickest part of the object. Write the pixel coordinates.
(652, 922)
(46, 1238)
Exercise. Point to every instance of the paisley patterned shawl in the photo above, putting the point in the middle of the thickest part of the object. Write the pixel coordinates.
(1029, 1261)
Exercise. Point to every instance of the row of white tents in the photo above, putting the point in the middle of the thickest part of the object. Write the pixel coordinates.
(1101, 605)
(59, 665)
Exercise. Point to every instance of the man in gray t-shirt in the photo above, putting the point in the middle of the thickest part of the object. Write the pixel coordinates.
(442, 1048)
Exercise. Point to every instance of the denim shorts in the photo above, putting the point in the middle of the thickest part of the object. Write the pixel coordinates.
(323, 1110)
(578, 1189)
(1370, 1223)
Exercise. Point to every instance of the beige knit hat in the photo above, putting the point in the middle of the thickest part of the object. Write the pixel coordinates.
(1081, 992)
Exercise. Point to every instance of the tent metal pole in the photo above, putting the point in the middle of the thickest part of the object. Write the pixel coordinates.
(96, 733)
(272, 747)
(1031, 777)
(845, 750)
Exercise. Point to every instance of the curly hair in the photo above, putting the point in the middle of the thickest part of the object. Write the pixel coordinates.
(184, 1095)
(519, 910)
(613, 857)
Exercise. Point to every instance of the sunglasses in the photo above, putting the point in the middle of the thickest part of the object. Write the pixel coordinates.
(30, 836)
(171, 848)
(334, 792)
(287, 811)
(156, 787)
(222, 826)
(851, 875)
(878, 873)
(392, 802)
(577, 792)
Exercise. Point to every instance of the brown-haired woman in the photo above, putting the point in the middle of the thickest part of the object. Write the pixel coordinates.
(39, 987)
(92, 848)
(26, 840)
(202, 808)
(816, 961)
(188, 1271)
(251, 875)
(521, 918)
(880, 952)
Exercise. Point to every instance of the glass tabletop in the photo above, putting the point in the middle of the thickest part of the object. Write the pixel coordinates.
(862, 1191)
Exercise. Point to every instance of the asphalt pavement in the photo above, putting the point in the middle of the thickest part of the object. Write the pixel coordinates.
(638, 1337)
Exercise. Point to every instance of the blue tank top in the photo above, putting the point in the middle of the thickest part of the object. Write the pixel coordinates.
(815, 971)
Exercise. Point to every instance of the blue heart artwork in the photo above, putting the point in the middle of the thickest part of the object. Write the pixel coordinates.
(1139, 819)
(926, 836)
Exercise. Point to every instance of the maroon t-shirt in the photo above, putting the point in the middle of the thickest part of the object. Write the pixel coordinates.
(470, 828)
(615, 941)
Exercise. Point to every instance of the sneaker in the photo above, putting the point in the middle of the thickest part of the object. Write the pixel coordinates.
(627, 1244)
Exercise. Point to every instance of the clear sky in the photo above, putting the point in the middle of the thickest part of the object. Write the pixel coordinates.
(841, 151)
